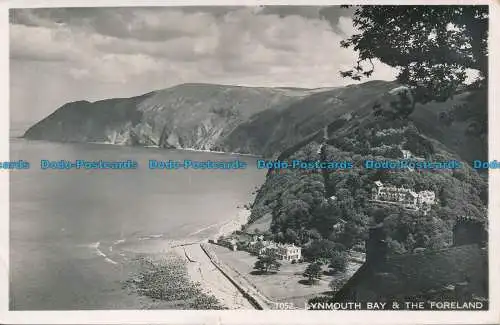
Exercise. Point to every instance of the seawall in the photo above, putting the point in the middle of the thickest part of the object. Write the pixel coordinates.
(252, 297)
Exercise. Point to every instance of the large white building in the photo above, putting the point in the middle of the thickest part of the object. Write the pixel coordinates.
(403, 196)
(284, 252)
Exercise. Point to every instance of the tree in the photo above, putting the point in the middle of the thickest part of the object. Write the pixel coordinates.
(431, 46)
(313, 234)
(266, 263)
(338, 262)
(338, 282)
(322, 249)
(410, 243)
(352, 234)
(313, 272)
(268, 235)
(291, 236)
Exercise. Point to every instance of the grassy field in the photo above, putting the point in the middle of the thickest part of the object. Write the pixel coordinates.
(286, 286)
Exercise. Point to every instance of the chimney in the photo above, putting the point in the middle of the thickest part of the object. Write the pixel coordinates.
(376, 245)
(468, 231)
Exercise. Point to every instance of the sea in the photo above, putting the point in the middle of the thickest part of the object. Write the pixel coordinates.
(72, 231)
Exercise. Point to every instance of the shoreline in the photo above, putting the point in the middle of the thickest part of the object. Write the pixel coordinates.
(234, 224)
(211, 280)
(201, 269)
(142, 146)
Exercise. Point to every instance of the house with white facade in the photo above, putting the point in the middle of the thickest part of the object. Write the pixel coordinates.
(287, 252)
(284, 252)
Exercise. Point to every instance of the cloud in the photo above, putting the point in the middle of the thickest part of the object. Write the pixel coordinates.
(40, 44)
(311, 12)
(159, 23)
(93, 53)
(345, 26)
(148, 24)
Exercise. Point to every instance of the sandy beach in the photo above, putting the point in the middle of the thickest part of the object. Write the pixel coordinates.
(232, 225)
(201, 269)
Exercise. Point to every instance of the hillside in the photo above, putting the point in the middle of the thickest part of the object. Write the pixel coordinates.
(299, 202)
(290, 123)
(272, 131)
(195, 116)
(270, 122)
(262, 121)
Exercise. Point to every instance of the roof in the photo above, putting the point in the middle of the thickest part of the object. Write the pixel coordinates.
(412, 275)
(378, 183)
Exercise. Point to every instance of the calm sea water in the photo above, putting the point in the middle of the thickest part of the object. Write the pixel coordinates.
(67, 227)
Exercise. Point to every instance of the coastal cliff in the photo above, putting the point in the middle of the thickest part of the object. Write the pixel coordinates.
(188, 116)
(269, 122)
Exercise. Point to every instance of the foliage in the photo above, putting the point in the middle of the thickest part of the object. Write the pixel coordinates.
(432, 46)
(410, 233)
(322, 249)
(395, 104)
(266, 263)
(338, 262)
(313, 272)
(338, 282)
(303, 213)
(417, 144)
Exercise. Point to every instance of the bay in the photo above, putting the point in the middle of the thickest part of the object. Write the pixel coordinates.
(69, 229)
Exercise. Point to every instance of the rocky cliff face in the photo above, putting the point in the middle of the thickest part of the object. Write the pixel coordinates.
(196, 116)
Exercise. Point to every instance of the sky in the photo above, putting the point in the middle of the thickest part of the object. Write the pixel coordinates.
(59, 55)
